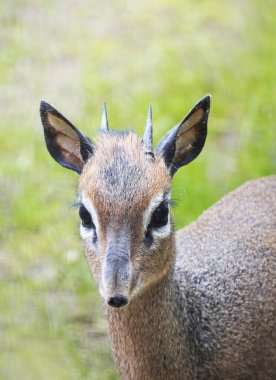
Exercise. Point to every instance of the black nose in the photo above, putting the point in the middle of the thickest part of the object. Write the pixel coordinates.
(118, 301)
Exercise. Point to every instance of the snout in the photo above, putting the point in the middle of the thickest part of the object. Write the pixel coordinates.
(117, 301)
(116, 273)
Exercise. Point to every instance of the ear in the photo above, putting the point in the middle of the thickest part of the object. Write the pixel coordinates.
(65, 143)
(183, 143)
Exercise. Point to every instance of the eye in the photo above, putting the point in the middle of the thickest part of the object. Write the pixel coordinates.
(86, 218)
(159, 217)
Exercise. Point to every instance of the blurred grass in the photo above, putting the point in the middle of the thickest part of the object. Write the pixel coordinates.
(130, 54)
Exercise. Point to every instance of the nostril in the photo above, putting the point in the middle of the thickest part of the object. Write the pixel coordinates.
(118, 301)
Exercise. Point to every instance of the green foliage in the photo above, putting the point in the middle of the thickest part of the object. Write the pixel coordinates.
(129, 54)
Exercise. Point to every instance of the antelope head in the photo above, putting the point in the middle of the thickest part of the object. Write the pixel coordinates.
(124, 195)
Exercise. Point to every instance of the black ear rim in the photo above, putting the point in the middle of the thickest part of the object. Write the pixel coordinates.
(86, 145)
(204, 104)
(166, 146)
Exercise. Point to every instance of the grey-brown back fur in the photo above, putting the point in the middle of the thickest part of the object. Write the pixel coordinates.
(226, 265)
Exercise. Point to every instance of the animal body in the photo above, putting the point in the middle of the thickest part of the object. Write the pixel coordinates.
(195, 304)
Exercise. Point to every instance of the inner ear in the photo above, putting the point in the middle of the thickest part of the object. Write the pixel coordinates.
(189, 139)
(183, 143)
(66, 144)
(67, 140)
(61, 126)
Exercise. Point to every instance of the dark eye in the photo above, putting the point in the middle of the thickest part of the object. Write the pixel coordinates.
(160, 216)
(86, 218)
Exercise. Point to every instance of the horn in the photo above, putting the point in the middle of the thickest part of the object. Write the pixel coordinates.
(104, 122)
(147, 138)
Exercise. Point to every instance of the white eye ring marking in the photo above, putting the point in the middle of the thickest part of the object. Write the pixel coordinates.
(88, 232)
(161, 232)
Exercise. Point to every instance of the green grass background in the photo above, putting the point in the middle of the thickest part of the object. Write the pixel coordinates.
(77, 54)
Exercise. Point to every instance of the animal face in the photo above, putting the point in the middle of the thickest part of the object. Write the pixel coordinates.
(124, 196)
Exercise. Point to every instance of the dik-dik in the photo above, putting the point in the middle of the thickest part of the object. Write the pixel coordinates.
(195, 304)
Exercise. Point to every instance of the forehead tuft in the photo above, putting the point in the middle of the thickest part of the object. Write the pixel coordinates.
(120, 173)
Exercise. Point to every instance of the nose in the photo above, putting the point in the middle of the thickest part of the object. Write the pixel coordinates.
(117, 301)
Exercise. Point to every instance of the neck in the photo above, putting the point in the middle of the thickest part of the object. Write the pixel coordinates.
(146, 336)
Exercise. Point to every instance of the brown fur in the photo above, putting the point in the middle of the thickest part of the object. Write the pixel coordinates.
(123, 152)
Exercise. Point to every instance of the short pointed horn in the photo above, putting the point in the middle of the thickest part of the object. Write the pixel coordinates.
(104, 121)
(147, 138)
